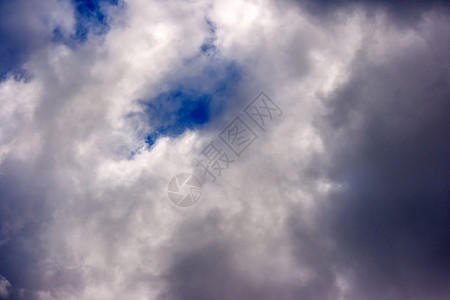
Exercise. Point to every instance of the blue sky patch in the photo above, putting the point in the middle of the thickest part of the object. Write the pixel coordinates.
(178, 110)
(192, 102)
(89, 18)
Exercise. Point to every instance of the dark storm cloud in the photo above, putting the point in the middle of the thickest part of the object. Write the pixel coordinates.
(210, 273)
(22, 211)
(25, 211)
(387, 135)
(19, 35)
(208, 264)
(401, 12)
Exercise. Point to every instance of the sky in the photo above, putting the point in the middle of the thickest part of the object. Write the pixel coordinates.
(338, 189)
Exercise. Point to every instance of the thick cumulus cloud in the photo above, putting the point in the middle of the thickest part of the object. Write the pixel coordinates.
(403, 13)
(344, 197)
(387, 131)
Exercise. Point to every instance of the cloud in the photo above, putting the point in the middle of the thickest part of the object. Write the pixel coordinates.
(342, 198)
(385, 132)
(403, 13)
(194, 100)
(26, 28)
(5, 287)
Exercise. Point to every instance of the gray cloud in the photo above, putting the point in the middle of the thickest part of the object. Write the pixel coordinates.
(387, 140)
(5, 288)
(26, 27)
(404, 12)
(383, 231)
(345, 198)
(209, 263)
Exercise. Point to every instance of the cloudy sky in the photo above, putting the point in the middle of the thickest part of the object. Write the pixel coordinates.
(345, 195)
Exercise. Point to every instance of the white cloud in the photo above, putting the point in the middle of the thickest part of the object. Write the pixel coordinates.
(113, 233)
